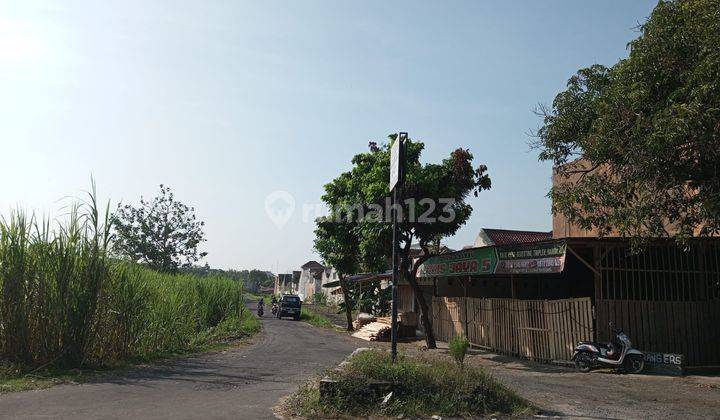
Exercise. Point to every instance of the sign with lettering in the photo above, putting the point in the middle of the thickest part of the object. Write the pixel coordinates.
(547, 257)
(664, 358)
(469, 262)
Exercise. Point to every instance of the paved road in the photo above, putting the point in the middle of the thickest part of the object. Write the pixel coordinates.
(240, 383)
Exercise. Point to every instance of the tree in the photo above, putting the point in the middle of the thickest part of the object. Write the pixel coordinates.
(433, 207)
(638, 144)
(338, 244)
(164, 233)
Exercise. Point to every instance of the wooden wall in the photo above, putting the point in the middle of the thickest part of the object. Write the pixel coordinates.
(533, 329)
(688, 328)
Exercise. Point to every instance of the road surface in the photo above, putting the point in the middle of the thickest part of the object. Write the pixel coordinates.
(244, 382)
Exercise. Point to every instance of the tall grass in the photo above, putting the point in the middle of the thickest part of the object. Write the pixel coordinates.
(65, 301)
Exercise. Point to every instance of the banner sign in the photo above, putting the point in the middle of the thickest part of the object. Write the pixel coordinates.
(470, 262)
(546, 257)
(664, 358)
(664, 363)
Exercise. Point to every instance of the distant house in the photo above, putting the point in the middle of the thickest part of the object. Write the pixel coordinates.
(286, 283)
(310, 280)
(333, 295)
(503, 237)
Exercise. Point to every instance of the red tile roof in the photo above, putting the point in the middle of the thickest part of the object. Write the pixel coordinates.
(502, 237)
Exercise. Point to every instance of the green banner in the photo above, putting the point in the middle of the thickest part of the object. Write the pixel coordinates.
(469, 262)
(547, 257)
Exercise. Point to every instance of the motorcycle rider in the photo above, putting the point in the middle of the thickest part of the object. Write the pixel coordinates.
(261, 304)
(274, 304)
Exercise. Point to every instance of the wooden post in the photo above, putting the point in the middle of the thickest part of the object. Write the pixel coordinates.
(466, 284)
(513, 291)
(597, 277)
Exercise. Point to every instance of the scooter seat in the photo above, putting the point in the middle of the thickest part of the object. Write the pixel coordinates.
(605, 346)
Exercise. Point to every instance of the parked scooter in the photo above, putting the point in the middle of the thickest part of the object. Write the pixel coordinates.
(618, 354)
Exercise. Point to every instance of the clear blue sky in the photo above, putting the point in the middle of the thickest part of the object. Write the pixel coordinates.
(229, 101)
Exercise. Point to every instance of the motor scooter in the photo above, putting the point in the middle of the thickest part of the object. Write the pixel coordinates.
(618, 354)
(274, 308)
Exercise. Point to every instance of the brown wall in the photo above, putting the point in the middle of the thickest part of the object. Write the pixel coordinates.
(562, 228)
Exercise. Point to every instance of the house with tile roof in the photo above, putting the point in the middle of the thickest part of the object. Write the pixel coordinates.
(503, 237)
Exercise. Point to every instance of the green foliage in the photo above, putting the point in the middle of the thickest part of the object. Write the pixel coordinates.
(458, 347)
(320, 298)
(314, 319)
(64, 302)
(647, 130)
(163, 234)
(252, 280)
(369, 299)
(353, 244)
(421, 387)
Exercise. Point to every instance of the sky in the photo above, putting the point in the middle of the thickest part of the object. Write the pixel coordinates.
(232, 102)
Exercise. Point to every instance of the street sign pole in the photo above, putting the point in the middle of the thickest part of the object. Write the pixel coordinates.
(397, 177)
(393, 324)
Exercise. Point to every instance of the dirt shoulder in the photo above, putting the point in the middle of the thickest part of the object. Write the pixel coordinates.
(563, 392)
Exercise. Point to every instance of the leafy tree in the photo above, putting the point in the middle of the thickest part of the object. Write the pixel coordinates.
(645, 132)
(164, 233)
(339, 246)
(433, 207)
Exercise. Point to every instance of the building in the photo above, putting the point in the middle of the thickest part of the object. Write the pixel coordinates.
(333, 294)
(534, 296)
(310, 281)
(287, 283)
(502, 237)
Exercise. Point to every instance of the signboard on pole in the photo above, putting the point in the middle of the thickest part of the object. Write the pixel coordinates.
(470, 262)
(396, 169)
(397, 176)
(547, 257)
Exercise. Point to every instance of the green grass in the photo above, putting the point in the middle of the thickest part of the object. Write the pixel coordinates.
(314, 319)
(14, 377)
(67, 304)
(421, 387)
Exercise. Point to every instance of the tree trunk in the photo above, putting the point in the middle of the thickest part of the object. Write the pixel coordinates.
(409, 275)
(348, 308)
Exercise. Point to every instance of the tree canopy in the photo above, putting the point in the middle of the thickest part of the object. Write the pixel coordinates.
(358, 233)
(646, 131)
(163, 234)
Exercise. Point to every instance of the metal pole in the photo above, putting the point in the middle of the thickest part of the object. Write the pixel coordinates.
(393, 324)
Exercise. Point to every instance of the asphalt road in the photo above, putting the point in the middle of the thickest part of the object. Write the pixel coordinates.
(244, 382)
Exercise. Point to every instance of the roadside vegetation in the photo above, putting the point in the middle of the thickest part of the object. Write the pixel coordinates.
(421, 387)
(314, 318)
(67, 304)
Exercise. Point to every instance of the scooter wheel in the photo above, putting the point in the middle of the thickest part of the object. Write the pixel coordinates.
(634, 363)
(582, 363)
